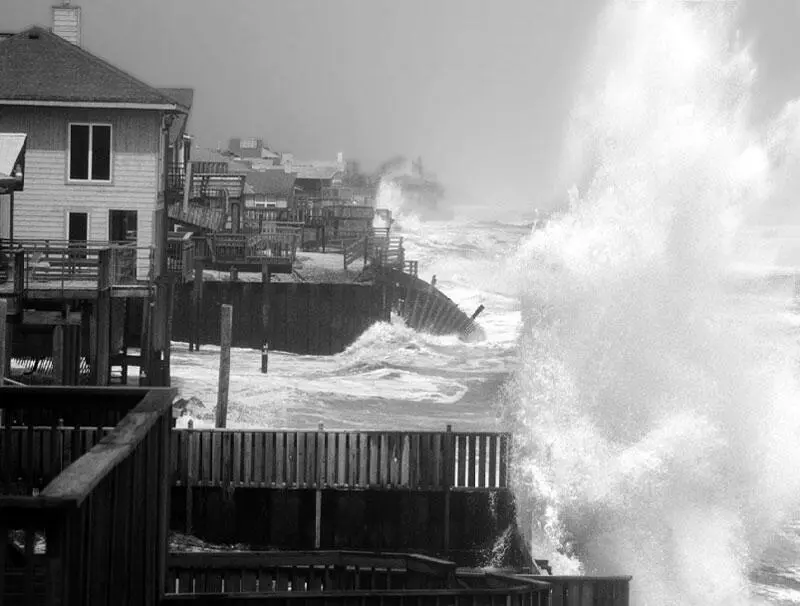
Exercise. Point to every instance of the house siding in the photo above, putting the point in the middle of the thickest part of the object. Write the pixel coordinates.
(41, 211)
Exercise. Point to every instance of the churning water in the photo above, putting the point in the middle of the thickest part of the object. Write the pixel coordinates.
(658, 390)
(643, 347)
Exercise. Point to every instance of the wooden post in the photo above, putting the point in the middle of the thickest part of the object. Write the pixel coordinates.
(318, 504)
(226, 325)
(58, 354)
(187, 187)
(266, 279)
(170, 303)
(190, 454)
(197, 303)
(3, 343)
(103, 318)
(449, 480)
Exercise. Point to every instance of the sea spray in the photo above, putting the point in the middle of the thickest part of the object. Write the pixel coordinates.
(656, 415)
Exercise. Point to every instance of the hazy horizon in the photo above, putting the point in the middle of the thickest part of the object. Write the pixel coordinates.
(481, 91)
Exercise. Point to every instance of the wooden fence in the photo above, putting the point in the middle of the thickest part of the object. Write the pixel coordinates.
(345, 460)
(97, 532)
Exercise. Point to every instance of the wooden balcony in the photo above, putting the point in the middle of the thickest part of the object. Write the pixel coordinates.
(83, 523)
(59, 268)
(198, 215)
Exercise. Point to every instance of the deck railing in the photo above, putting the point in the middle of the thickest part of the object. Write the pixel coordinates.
(341, 578)
(61, 262)
(580, 590)
(96, 533)
(180, 254)
(304, 571)
(341, 460)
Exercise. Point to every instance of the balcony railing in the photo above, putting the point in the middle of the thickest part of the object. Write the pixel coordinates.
(51, 262)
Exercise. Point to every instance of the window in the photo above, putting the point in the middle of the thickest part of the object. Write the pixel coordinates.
(90, 152)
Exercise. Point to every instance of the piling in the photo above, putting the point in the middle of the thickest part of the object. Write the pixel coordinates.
(226, 325)
(103, 316)
(197, 302)
(266, 279)
(3, 344)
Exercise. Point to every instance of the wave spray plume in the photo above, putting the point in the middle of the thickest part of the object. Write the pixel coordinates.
(656, 407)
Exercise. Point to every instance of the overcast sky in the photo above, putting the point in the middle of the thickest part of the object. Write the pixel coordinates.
(479, 88)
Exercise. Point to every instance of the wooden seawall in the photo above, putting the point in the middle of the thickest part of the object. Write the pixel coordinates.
(304, 318)
(424, 307)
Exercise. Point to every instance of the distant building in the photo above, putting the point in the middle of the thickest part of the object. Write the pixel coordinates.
(95, 137)
(269, 189)
(254, 150)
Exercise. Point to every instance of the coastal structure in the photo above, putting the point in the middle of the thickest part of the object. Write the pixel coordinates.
(86, 491)
(84, 240)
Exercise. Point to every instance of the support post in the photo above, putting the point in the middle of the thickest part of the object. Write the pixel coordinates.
(191, 454)
(103, 318)
(3, 343)
(226, 324)
(266, 280)
(58, 354)
(170, 304)
(197, 303)
(450, 458)
(187, 187)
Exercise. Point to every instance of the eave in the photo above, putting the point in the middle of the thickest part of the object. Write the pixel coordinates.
(173, 107)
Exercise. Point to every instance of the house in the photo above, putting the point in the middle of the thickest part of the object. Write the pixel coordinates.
(315, 176)
(254, 150)
(269, 189)
(94, 164)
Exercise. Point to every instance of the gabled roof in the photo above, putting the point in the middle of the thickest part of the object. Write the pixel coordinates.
(38, 67)
(273, 182)
(183, 97)
(317, 172)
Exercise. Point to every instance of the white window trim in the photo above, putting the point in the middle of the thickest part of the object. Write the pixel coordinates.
(91, 134)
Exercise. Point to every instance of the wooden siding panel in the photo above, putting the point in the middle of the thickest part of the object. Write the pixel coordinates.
(40, 211)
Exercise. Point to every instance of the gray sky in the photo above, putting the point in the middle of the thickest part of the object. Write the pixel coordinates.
(480, 89)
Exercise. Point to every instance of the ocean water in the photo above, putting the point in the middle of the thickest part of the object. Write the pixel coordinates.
(643, 347)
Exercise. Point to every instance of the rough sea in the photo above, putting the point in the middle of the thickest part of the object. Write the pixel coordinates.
(642, 347)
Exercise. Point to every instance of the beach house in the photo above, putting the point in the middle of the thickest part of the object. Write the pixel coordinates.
(96, 140)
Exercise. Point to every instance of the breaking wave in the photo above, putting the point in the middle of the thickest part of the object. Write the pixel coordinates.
(656, 401)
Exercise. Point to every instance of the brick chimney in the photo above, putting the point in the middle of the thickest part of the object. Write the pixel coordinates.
(67, 22)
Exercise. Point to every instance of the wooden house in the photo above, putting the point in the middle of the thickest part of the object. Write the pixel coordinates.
(95, 165)
(84, 243)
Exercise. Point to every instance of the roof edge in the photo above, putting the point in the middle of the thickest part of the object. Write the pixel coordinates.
(94, 105)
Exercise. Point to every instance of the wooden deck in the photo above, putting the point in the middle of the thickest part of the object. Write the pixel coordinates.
(85, 501)
(95, 534)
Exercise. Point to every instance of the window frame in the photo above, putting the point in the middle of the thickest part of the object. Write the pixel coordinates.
(90, 180)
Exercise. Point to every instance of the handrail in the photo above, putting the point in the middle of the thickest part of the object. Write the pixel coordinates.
(73, 485)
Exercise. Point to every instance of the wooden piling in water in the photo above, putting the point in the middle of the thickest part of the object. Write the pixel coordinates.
(226, 324)
(197, 303)
(266, 280)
